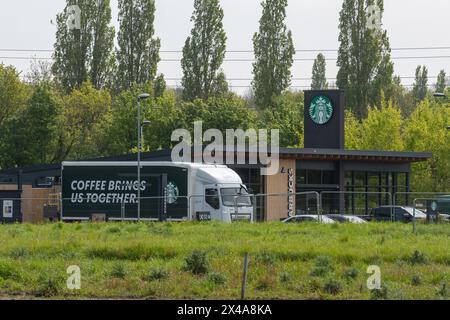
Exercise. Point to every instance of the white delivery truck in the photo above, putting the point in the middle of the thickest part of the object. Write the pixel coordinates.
(169, 191)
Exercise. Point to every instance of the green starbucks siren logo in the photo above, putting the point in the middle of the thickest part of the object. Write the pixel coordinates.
(321, 110)
(172, 193)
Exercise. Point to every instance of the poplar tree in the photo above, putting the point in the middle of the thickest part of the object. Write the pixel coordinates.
(364, 61)
(204, 51)
(420, 88)
(85, 53)
(138, 53)
(274, 52)
(441, 82)
(319, 78)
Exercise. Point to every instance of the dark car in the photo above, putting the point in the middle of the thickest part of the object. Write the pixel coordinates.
(399, 213)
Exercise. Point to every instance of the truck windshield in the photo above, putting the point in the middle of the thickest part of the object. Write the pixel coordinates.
(240, 194)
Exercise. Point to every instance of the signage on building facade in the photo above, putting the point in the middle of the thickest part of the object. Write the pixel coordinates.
(291, 191)
(7, 208)
(321, 110)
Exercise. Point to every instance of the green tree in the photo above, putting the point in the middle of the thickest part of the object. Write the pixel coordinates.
(13, 94)
(353, 131)
(319, 77)
(274, 52)
(85, 53)
(87, 114)
(381, 130)
(365, 67)
(32, 134)
(159, 86)
(426, 131)
(220, 85)
(138, 53)
(420, 88)
(441, 82)
(203, 51)
(287, 116)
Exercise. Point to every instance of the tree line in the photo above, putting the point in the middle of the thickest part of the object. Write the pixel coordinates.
(83, 104)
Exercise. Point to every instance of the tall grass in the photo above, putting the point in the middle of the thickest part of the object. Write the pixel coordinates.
(162, 260)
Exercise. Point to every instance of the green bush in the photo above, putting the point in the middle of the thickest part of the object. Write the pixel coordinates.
(265, 257)
(197, 262)
(217, 278)
(443, 290)
(379, 294)
(49, 286)
(418, 257)
(332, 286)
(322, 266)
(285, 277)
(157, 274)
(114, 229)
(118, 271)
(351, 274)
(416, 280)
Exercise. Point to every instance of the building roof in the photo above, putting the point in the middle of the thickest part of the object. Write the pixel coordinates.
(292, 153)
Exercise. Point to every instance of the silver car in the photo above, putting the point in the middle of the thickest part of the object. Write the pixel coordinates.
(308, 218)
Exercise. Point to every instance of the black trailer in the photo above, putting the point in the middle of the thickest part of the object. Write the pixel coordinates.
(110, 190)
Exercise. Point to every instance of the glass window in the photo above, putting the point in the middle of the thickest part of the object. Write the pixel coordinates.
(374, 179)
(212, 198)
(301, 176)
(360, 178)
(314, 177)
(328, 177)
(348, 178)
(235, 196)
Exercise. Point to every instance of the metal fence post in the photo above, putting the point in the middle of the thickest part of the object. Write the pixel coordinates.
(244, 276)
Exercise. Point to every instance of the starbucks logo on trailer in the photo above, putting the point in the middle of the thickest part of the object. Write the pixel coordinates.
(321, 110)
(172, 193)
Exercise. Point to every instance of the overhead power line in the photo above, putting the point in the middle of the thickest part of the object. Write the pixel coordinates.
(248, 51)
(294, 78)
(243, 60)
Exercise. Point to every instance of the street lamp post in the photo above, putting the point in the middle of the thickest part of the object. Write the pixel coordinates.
(142, 96)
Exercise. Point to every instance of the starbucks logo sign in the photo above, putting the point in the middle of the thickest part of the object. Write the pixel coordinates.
(172, 193)
(321, 110)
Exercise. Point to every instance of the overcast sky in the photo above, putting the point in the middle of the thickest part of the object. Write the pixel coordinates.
(26, 24)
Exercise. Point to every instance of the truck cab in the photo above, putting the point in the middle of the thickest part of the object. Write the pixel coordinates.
(220, 195)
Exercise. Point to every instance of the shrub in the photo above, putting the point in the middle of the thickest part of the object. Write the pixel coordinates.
(416, 280)
(418, 258)
(332, 286)
(49, 286)
(197, 262)
(322, 267)
(157, 274)
(19, 252)
(114, 229)
(8, 271)
(265, 257)
(379, 294)
(443, 290)
(118, 271)
(264, 283)
(351, 274)
(217, 278)
(285, 277)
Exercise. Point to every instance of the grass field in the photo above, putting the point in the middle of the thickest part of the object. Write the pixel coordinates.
(204, 261)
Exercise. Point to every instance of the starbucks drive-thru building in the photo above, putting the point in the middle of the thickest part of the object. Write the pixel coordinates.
(324, 166)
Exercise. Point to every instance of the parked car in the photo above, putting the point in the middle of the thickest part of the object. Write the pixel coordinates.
(308, 218)
(400, 213)
(343, 218)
